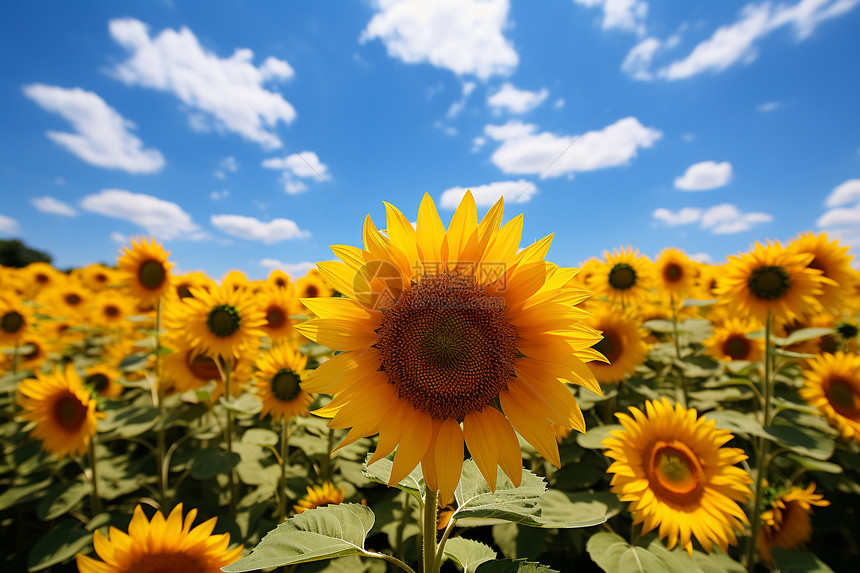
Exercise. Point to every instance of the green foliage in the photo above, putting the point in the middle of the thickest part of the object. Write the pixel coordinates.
(14, 253)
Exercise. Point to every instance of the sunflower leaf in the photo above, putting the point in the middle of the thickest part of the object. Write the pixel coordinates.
(467, 553)
(60, 499)
(614, 555)
(804, 441)
(513, 566)
(798, 561)
(593, 438)
(212, 461)
(380, 471)
(802, 335)
(321, 533)
(58, 545)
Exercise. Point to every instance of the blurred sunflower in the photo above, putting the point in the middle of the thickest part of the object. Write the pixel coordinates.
(67, 299)
(145, 270)
(187, 368)
(279, 279)
(320, 495)
(64, 413)
(96, 277)
(786, 523)
(312, 285)
(625, 278)
(676, 273)
(671, 467)
(623, 344)
(33, 349)
(236, 281)
(730, 341)
(833, 386)
(277, 304)
(103, 380)
(15, 320)
(182, 284)
(164, 545)
(833, 261)
(708, 278)
(472, 332)
(110, 309)
(279, 377)
(39, 276)
(770, 279)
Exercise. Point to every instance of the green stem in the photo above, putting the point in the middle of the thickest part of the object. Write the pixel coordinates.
(401, 527)
(428, 531)
(390, 559)
(282, 500)
(678, 351)
(228, 432)
(440, 551)
(326, 469)
(95, 500)
(159, 395)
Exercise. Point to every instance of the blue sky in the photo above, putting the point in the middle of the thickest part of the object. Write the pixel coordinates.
(255, 135)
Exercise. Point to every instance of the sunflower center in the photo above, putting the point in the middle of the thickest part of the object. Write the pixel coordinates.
(280, 283)
(285, 385)
(42, 278)
(203, 367)
(112, 311)
(151, 274)
(622, 276)
(769, 282)
(737, 347)
(12, 322)
(847, 330)
(184, 291)
(844, 398)
(311, 291)
(816, 264)
(98, 381)
(675, 473)
(223, 320)
(829, 344)
(673, 272)
(70, 412)
(612, 346)
(173, 562)
(448, 346)
(36, 350)
(275, 316)
(101, 278)
(73, 299)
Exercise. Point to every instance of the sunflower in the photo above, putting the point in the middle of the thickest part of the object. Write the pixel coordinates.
(68, 299)
(320, 495)
(671, 467)
(279, 377)
(110, 309)
(182, 284)
(39, 276)
(676, 273)
(786, 523)
(165, 545)
(442, 328)
(770, 279)
(64, 413)
(623, 344)
(187, 368)
(312, 285)
(96, 277)
(833, 386)
(279, 279)
(33, 349)
(625, 278)
(145, 269)
(235, 280)
(833, 261)
(221, 322)
(103, 380)
(15, 320)
(708, 279)
(731, 341)
(278, 305)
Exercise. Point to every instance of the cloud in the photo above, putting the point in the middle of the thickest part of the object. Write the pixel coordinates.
(219, 195)
(719, 219)
(305, 164)
(460, 104)
(160, 218)
(102, 136)
(705, 175)
(842, 219)
(520, 191)
(464, 36)
(230, 164)
(120, 238)
(524, 150)
(844, 193)
(54, 206)
(768, 106)
(637, 63)
(514, 100)
(228, 92)
(628, 15)
(702, 258)
(295, 270)
(9, 226)
(255, 230)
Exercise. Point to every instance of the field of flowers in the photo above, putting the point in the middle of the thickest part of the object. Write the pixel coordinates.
(434, 400)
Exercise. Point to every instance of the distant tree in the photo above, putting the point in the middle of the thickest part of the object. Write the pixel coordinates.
(14, 253)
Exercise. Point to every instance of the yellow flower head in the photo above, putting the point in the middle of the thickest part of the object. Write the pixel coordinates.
(623, 344)
(833, 386)
(730, 341)
(279, 379)
(625, 278)
(833, 261)
(145, 270)
(279, 279)
(676, 273)
(672, 468)
(278, 305)
(320, 495)
(16, 320)
(786, 523)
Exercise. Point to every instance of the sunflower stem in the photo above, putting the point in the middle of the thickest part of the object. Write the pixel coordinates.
(326, 469)
(282, 500)
(228, 434)
(678, 350)
(428, 531)
(95, 500)
(159, 396)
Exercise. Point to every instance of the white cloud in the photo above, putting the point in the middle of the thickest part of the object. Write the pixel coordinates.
(120, 238)
(705, 175)
(292, 185)
(514, 100)
(464, 36)
(102, 136)
(637, 63)
(688, 137)
(524, 150)
(218, 195)
(520, 191)
(255, 230)
(9, 226)
(685, 216)
(844, 193)
(54, 206)
(477, 143)
(295, 270)
(702, 258)
(559, 103)
(305, 164)
(230, 164)
(626, 15)
(460, 104)
(841, 217)
(768, 106)
(719, 219)
(227, 92)
(160, 218)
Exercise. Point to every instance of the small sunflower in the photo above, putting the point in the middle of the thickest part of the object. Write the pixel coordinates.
(623, 344)
(64, 413)
(182, 284)
(279, 279)
(708, 279)
(320, 495)
(786, 523)
(312, 285)
(103, 380)
(676, 273)
(33, 349)
(731, 341)
(145, 269)
(770, 279)
(672, 468)
(235, 280)
(16, 320)
(110, 309)
(833, 386)
(164, 545)
(68, 299)
(279, 378)
(833, 261)
(96, 277)
(39, 276)
(187, 368)
(277, 304)
(625, 278)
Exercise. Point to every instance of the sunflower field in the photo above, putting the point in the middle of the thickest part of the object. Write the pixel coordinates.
(435, 400)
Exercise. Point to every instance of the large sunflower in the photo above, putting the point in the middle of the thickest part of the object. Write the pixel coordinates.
(625, 278)
(164, 545)
(671, 467)
(833, 261)
(770, 279)
(448, 328)
(786, 523)
(676, 273)
(279, 380)
(623, 344)
(64, 413)
(833, 386)
(731, 341)
(320, 495)
(145, 270)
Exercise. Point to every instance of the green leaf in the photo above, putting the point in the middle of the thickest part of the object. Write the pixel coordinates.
(468, 554)
(659, 325)
(737, 422)
(261, 437)
(321, 533)
(816, 465)
(513, 566)
(561, 507)
(58, 545)
(798, 561)
(212, 461)
(380, 471)
(614, 555)
(248, 404)
(129, 422)
(61, 498)
(25, 491)
(802, 440)
(593, 438)
(716, 562)
(802, 335)
(134, 361)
